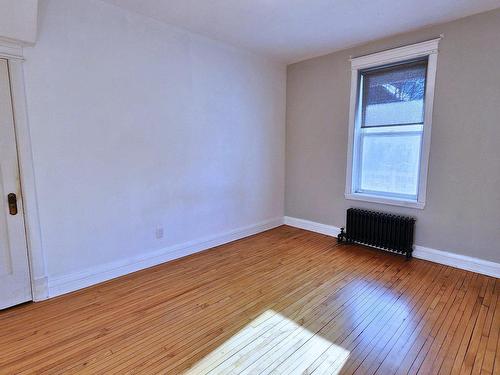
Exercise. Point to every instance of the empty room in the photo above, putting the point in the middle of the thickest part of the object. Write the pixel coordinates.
(250, 187)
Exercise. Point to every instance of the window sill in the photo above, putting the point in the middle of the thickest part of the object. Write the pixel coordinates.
(384, 200)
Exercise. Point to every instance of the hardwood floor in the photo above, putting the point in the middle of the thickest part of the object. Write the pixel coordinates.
(284, 301)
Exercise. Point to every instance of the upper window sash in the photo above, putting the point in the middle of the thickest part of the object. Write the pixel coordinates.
(393, 95)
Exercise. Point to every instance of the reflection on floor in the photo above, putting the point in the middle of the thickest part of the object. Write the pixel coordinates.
(270, 336)
(284, 301)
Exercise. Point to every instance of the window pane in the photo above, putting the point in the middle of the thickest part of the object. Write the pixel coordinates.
(394, 95)
(390, 163)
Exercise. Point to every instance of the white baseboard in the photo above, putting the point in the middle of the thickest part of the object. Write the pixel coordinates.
(464, 262)
(484, 267)
(81, 279)
(329, 230)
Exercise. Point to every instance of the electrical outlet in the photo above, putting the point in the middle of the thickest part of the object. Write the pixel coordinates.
(159, 232)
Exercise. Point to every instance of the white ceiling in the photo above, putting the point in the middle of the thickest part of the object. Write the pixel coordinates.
(292, 30)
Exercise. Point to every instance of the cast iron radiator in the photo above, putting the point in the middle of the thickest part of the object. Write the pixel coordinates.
(378, 229)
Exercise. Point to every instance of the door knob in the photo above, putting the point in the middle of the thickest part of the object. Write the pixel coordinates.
(12, 200)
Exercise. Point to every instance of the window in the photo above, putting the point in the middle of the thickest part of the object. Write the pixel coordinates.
(390, 120)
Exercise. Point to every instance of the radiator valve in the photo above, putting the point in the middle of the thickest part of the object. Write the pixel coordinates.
(341, 237)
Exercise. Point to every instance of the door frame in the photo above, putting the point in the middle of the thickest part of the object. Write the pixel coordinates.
(13, 53)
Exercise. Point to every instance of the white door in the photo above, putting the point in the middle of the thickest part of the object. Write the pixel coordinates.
(15, 285)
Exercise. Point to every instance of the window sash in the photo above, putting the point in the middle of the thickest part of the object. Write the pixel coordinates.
(386, 131)
(364, 91)
(391, 125)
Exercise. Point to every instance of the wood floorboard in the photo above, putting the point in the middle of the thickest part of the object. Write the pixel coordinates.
(285, 301)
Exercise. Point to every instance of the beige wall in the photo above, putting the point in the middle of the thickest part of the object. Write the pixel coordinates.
(462, 214)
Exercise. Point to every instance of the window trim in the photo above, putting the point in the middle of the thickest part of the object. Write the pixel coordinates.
(397, 55)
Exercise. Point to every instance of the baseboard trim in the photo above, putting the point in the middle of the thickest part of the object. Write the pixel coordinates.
(77, 280)
(329, 230)
(82, 279)
(464, 262)
(484, 267)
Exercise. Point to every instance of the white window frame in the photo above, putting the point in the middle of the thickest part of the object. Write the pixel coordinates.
(425, 49)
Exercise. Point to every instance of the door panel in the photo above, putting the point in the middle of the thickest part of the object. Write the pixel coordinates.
(15, 285)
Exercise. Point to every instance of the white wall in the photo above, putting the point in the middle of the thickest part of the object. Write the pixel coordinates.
(136, 125)
(18, 20)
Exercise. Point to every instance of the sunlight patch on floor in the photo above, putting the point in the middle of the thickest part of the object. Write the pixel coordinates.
(273, 343)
